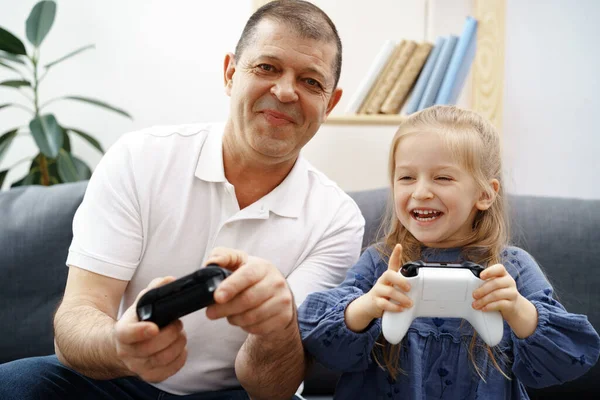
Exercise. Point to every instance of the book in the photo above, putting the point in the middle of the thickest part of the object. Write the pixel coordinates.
(437, 75)
(391, 77)
(459, 65)
(378, 64)
(417, 93)
(377, 84)
(405, 81)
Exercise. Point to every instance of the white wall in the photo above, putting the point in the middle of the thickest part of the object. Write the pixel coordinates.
(551, 98)
(162, 62)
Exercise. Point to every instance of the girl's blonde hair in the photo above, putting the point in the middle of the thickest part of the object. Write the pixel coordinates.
(476, 145)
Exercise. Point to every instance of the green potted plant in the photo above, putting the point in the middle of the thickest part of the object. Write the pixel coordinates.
(55, 162)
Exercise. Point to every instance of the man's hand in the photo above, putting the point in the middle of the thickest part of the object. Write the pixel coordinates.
(150, 353)
(256, 297)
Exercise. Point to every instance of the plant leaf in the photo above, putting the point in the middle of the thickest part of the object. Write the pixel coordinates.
(2, 176)
(51, 168)
(66, 167)
(10, 43)
(10, 67)
(32, 178)
(66, 141)
(83, 170)
(71, 54)
(99, 104)
(40, 21)
(88, 138)
(72, 169)
(5, 141)
(16, 83)
(48, 134)
(11, 57)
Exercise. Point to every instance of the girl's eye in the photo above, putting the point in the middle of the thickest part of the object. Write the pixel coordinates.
(405, 178)
(444, 178)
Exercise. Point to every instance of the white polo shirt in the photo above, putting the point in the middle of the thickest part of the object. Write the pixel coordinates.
(159, 202)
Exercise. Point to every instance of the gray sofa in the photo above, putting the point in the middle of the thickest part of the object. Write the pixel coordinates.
(35, 233)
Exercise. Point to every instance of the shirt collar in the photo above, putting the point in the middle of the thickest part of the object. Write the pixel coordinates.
(286, 200)
(210, 163)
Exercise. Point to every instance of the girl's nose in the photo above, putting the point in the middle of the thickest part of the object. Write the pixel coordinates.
(422, 191)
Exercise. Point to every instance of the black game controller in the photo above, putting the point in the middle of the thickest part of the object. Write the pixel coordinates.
(411, 269)
(190, 293)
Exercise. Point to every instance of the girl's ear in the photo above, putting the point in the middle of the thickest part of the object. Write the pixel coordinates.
(488, 197)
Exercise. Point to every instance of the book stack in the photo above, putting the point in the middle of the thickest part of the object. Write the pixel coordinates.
(408, 76)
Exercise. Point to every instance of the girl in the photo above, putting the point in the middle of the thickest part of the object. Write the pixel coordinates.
(448, 205)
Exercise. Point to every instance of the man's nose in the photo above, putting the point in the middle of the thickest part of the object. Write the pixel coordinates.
(285, 89)
(422, 190)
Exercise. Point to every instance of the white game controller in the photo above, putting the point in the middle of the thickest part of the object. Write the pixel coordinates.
(443, 290)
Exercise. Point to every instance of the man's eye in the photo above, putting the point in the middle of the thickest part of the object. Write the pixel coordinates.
(266, 67)
(312, 82)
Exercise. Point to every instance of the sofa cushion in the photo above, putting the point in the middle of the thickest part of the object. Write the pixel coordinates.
(35, 234)
(563, 235)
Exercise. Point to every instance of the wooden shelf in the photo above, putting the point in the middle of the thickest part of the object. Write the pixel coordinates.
(370, 119)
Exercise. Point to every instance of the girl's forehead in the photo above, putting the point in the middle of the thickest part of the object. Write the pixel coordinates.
(422, 141)
(429, 148)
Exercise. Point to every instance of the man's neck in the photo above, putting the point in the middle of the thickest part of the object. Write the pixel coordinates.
(253, 180)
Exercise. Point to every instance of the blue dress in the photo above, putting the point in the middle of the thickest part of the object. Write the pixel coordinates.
(434, 353)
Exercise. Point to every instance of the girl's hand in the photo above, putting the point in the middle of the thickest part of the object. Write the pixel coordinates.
(383, 296)
(499, 293)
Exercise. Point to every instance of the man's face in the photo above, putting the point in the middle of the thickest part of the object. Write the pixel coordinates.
(281, 91)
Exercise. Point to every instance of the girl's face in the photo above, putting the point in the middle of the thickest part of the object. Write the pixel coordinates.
(435, 198)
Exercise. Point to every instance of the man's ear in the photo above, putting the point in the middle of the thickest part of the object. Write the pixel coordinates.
(228, 71)
(335, 98)
(488, 197)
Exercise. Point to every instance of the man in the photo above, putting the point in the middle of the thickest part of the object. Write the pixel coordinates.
(166, 200)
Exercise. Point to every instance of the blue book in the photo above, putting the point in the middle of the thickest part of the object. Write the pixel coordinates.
(437, 75)
(459, 66)
(417, 94)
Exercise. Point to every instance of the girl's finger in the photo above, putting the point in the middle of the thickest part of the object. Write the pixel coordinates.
(395, 258)
(496, 306)
(492, 271)
(391, 293)
(495, 296)
(494, 284)
(386, 305)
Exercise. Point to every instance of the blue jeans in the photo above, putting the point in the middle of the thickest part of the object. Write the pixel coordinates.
(46, 378)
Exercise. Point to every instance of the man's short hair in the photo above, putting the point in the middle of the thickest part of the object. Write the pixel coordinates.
(308, 20)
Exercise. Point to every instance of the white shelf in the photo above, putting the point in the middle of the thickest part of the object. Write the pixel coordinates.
(366, 119)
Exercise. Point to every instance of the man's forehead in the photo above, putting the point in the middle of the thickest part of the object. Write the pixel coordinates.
(273, 40)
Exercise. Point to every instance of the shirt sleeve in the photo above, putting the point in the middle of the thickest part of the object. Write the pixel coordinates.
(333, 255)
(107, 227)
(323, 327)
(564, 345)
